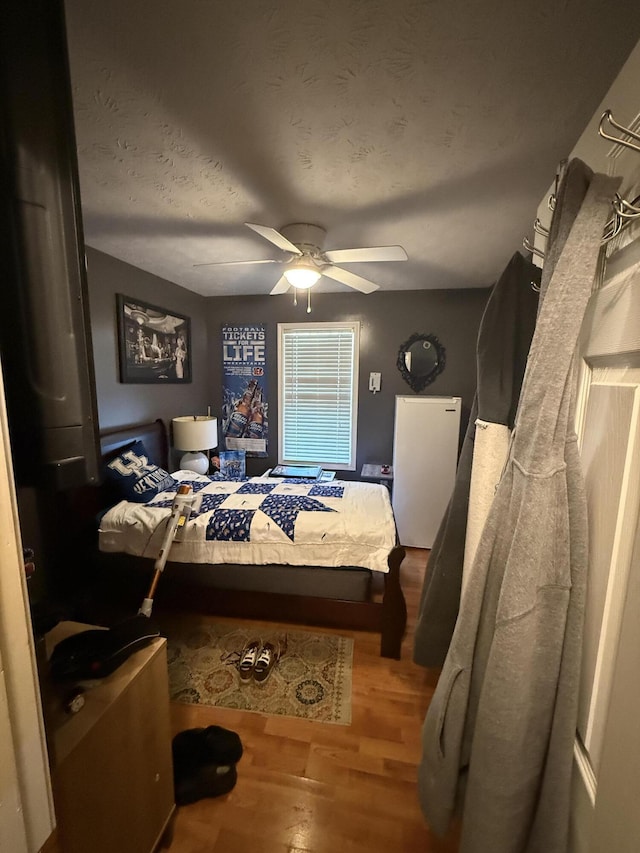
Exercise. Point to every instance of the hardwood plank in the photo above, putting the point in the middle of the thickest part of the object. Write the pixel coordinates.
(379, 748)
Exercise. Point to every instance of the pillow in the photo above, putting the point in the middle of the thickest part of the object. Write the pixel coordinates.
(232, 464)
(135, 478)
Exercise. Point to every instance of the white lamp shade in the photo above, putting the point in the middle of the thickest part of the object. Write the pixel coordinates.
(195, 433)
(301, 275)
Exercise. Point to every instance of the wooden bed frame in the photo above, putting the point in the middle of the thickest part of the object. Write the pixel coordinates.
(387, 616)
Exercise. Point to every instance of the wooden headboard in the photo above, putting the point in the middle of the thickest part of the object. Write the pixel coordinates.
(87, 501)
(153, 435)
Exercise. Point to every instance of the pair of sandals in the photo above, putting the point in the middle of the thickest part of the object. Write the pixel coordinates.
(257, 659)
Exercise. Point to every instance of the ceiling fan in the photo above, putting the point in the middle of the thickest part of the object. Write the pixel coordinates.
(306, 260)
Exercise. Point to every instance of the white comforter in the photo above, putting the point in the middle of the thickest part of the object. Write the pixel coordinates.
(260, 521)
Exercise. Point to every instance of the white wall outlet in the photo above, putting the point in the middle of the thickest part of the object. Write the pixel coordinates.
(374, 382)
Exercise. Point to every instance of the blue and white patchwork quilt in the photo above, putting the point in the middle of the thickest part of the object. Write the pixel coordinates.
(261, 520)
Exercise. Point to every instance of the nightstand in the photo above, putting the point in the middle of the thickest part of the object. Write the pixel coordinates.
(374, 472)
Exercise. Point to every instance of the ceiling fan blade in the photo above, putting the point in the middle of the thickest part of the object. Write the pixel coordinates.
(274, 237)
(373, 253)
(237, 263)
(281, 287)
(350, 279)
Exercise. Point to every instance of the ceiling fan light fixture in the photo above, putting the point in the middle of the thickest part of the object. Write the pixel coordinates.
(302, 275)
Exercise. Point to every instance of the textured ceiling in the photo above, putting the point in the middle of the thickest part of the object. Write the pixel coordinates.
(437, 126)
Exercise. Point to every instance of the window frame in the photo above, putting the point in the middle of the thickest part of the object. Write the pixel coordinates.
(354, 327)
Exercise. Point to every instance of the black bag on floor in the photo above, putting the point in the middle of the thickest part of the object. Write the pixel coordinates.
(204, 763)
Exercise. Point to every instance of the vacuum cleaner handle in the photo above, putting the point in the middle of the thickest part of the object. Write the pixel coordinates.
(180, 512)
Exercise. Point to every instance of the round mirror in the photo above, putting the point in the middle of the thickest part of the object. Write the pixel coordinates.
(420, 360)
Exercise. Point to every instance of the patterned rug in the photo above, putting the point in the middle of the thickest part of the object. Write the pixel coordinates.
(312, 678)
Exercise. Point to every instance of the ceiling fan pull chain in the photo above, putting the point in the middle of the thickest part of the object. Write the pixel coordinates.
(295, 296)
(309, 301)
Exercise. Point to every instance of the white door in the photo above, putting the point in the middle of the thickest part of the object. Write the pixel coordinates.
(605, 815)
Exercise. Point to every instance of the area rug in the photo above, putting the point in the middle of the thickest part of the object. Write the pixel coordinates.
(312, 678)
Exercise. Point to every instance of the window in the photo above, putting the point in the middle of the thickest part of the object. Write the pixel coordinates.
(318, 393)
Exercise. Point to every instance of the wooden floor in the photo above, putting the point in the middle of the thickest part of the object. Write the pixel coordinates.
(306, 787)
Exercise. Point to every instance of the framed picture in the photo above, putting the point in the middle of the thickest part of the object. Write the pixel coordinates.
(154, 344)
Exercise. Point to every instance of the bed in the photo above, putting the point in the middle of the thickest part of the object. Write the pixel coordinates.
(316, 564)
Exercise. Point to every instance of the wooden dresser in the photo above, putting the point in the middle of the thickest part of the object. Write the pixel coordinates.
(111, 766)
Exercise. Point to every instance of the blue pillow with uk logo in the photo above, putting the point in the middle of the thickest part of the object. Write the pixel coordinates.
(135, 478)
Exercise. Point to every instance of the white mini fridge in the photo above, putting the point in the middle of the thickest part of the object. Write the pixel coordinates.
(425, 456)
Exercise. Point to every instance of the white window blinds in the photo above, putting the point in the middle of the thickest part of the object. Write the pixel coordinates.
(318, 396)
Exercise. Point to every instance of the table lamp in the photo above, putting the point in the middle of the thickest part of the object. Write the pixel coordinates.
(195, 433)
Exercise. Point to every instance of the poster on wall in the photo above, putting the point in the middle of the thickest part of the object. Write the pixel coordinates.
(154, 344)
(245, 422)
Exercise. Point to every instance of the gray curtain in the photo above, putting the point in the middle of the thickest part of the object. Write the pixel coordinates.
(498, 735)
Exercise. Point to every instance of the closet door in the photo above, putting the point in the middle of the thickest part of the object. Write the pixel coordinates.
(605, 814)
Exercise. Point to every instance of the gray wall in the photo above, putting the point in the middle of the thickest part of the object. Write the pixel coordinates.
(387, 320)
(123, 404)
